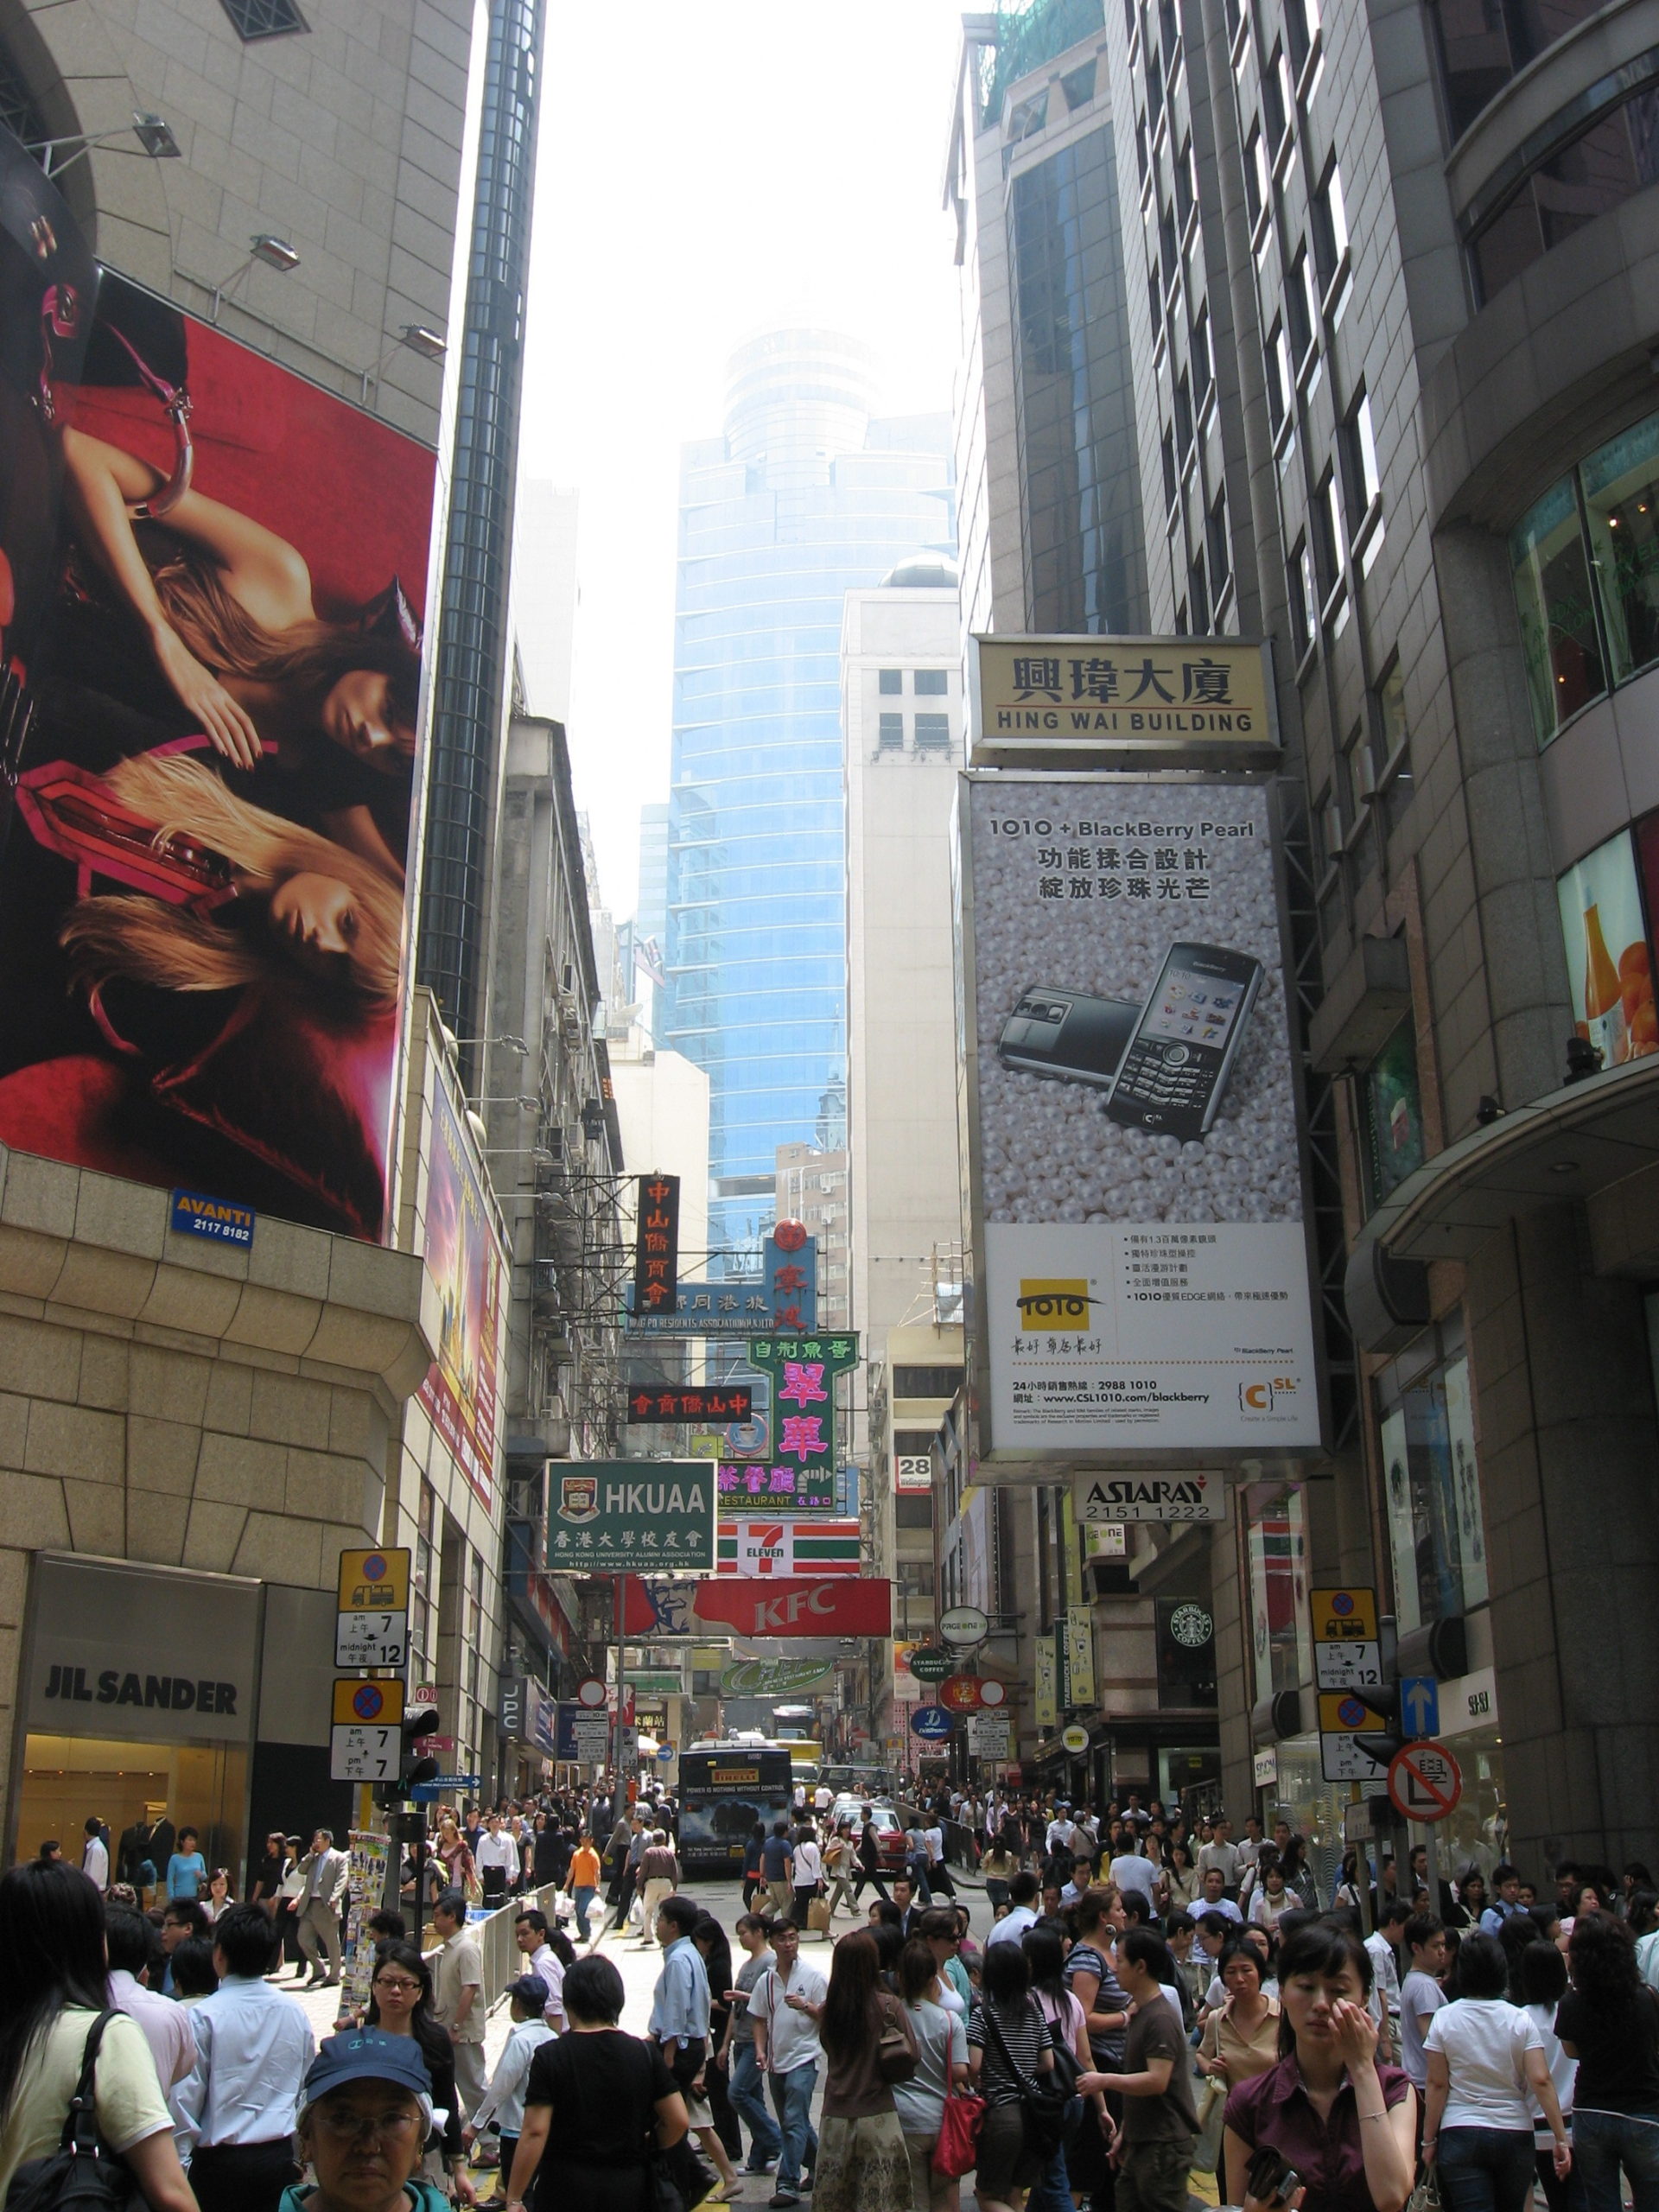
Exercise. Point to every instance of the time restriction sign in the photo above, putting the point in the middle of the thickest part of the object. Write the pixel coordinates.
(1424, 1782)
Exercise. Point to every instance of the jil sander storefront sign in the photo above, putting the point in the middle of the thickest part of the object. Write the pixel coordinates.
(140, 1653)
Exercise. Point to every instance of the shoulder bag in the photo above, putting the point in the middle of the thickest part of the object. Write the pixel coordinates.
(895, 2054)
(1044, 2109)
(81, 2174)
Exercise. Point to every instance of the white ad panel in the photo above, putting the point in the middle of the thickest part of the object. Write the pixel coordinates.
(1142, 1263)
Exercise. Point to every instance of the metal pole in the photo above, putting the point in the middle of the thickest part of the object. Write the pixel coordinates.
(616, 1740)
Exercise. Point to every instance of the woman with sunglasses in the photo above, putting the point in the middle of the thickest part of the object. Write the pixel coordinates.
(400, 2004)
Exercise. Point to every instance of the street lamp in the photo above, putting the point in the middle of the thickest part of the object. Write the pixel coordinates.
(275, 253)
(431, 346)
(154, 134)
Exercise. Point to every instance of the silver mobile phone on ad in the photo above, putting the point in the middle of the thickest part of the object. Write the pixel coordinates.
(1068, 1034)
(1176, 1065)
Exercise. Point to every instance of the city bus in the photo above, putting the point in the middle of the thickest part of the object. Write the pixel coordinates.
(724, 1788)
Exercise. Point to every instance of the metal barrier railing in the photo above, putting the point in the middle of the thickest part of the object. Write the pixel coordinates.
(501, 1960)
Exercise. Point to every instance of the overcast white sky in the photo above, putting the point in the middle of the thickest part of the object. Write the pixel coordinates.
(705, 172)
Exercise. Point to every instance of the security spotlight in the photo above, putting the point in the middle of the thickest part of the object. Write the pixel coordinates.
(275, 253)
(155, 136)
(430, 343)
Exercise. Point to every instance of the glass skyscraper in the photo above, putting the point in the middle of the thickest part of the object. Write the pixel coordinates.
(802, 497)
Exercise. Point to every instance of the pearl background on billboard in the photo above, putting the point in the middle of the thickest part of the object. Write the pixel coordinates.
(1137, 1290)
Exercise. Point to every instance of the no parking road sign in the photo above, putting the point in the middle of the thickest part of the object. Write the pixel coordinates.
(1424, 1782)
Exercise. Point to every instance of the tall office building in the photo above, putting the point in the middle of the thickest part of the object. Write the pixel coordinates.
(802, 497)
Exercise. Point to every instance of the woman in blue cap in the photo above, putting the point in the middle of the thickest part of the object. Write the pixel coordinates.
(363, 2118)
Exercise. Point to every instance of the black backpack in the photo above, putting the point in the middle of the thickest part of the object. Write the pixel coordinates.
(81, 2174)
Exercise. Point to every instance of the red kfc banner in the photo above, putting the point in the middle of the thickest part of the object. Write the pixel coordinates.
(843, 1606)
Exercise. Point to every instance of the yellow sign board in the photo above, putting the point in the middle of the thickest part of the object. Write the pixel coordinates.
(368, 1704)
(1345, 1712)
(1343, 1616)
(1134, 702)
(374, 1581)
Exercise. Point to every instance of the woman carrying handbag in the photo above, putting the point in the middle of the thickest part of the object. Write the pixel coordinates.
(1008, 2047)
(941, 2040)
(862, 2164)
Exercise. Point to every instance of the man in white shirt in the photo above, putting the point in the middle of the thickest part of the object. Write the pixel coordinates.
(823, 1798)
(497, 1860)
(1221, 1852)
(785, 2006)
(1062, 1830)
(166, 2025)
(95, 1858)
(1131, 1870)
(1021, 1913)
(1385, 1968)
(530, 1933)
(1212, 1896)
(234, 2110)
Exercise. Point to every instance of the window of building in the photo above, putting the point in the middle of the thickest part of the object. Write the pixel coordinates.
(1028, 118)
(932, 683)
(1362, 481)
(916, 1512)
(1326, 518)
(1304, 595)
(1183, 414)
(1200, 596)
(890, 682)
(1143, 158)
(1560, 638)
(1258, 180)
(890, 733)
(1275, 107)
(1393, 743)
(1171, 475)
(423, 1593)
(915, 1577)
(932, 733)
(1301, 28)
(1154, 90)
(264, 18)
(475, 1661)
(1301, 309)
(1620, 483)
(1078, 85)
(1330, 231)
(1201, 372)
(1613, 155)
(1279, 383)
(1184, 191)
(1437, 1529)
(926, 1381)
(1168, 249)
(1391, 1114)
(1276, 1544)
(1215, 534)
(1481, 46)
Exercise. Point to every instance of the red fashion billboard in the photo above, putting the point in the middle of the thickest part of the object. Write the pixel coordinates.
(463, 1258)
(212, 769)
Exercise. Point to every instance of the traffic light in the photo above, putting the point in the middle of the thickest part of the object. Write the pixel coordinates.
(414, 1763)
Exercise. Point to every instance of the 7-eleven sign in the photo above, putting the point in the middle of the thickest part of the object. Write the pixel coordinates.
(787, 1548)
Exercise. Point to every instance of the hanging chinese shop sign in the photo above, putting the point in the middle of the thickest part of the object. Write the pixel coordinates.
(657, 1245)
(785, 1489)
(785, 1295)
(803, 1372)
(653, 1404)
(1091, 702)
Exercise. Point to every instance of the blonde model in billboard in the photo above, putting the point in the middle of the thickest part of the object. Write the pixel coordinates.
(224, 607)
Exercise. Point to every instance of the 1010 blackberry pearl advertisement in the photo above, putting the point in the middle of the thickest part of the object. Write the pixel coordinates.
(1131, 1120)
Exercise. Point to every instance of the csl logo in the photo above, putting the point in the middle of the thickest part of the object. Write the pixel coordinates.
(1054, 1304)
(1262, 1397)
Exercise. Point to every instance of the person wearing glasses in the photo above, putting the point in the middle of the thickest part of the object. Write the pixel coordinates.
(400, 2005)
(365, 2113)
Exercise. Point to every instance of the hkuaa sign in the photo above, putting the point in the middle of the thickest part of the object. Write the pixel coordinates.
(1104, 1498)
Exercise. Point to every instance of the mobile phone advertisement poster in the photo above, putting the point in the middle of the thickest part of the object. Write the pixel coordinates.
(1132, 1125)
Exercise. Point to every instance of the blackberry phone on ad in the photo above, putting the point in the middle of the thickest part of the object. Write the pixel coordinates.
(1173, 1074)
(1068, 1034)
(1139, 1257)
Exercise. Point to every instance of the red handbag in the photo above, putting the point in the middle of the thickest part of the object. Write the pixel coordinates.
(957, 2151)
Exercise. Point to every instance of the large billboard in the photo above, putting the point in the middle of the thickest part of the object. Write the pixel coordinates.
(210, 749)
(1142, 1279)
(465, 1261)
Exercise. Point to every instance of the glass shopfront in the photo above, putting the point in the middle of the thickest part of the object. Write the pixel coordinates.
(1437, 1530)
(139, 1692)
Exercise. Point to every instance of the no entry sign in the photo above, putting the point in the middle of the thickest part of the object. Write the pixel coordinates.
(1424, 1782)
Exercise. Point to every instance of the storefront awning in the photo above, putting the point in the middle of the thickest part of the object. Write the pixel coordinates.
(1595, 1141)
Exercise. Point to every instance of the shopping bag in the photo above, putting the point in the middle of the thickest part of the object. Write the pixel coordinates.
(957, 2151)
(817, 1915)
